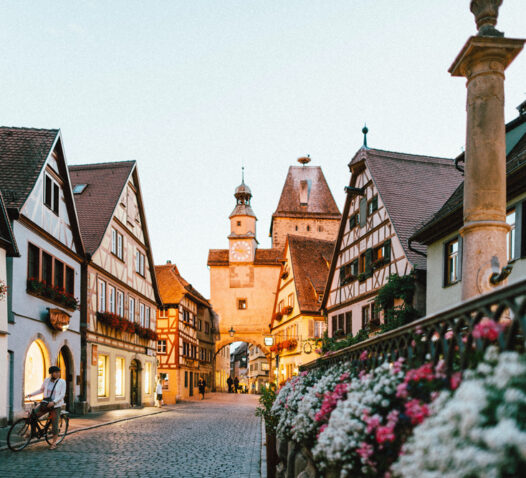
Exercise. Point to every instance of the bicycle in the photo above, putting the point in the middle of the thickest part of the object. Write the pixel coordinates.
(25, 429)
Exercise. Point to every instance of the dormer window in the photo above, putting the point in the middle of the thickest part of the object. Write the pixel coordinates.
(51, 194)
(79, 188)
(305, 186)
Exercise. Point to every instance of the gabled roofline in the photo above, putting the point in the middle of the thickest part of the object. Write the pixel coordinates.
(11, 246)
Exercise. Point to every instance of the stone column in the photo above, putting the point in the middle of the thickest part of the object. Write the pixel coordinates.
(483, 60)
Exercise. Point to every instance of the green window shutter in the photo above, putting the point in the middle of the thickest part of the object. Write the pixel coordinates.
(352, 222)
(375, 203)
(363, 212)
(387, 249)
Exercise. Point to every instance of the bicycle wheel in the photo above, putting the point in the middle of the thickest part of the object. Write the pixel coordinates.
(19, 435)
(63, 424)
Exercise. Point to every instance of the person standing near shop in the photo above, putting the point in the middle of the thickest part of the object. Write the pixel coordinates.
(201, 384)
(159, 393)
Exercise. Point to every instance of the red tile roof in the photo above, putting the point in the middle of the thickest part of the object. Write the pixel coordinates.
(173, 287)
(96, 204)
(320, 202)
(220, 257)
(310, 260)
(23, 152)
(412, 188)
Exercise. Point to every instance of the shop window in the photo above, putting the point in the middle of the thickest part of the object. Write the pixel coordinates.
(102, 376)
(119, 376)
(148, 377)
(35, 368)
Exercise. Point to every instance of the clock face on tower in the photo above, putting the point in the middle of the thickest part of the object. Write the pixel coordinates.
(240, 251)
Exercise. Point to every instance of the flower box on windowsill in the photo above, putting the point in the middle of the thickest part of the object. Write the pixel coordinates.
(52, 294)
(122, 324)
(278, 316)
(287, 310)
(380, 263)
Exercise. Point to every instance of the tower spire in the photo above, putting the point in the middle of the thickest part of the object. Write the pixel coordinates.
(242, 174)
(365, 130)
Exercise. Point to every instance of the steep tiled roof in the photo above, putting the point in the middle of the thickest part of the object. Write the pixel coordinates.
(450, 214)
(95, 206)
(7, 238)
(173, 287)
(23, 152)
(219, 257)
(320, 202)
(310, 260)
(412, 188)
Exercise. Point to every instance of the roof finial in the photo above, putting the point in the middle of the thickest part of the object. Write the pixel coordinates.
(304, 160)
(242, 174)
(365, 130)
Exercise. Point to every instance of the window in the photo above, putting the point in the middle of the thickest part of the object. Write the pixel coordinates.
(239, 223)
(111, 299)
(319, 328)
(207, 327)
(119, 377)
(308, 228)
(340, 322)
(241, 304)
(365, 316)
(70, 280)
(320, 228)
(120, 303)
(47, 268)
(116, 243)
(290, 300)
(452, 262)
(163, 313)
(281, 304)
(141, 314)
(161, 346)
(79, 188)
(102, 296)
(148, 377)
(131, 309)
(33, 262)
(511, 236)
(147, 318)
(102, 371)
(365, 263)
(372, 206)
(139, 263)
(354, 220)
(59, 274)
(186, 379)
(334, 323)
(199, 324)
(348, 322)
(51, 194)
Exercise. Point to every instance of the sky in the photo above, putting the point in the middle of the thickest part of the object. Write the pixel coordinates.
(194, 90)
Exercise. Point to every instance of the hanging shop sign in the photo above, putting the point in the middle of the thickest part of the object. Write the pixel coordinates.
(269, 341)
(59, 320)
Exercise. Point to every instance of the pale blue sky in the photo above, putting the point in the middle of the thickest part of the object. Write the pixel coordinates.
(194, 89)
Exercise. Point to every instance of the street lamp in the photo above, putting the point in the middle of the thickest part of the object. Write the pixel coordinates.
(232, 331)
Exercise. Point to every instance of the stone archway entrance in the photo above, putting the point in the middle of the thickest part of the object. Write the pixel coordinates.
(64, 361)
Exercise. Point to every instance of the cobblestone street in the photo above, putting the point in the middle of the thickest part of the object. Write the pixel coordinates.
(218, 437)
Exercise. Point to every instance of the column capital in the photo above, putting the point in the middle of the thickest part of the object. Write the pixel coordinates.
(479, 48)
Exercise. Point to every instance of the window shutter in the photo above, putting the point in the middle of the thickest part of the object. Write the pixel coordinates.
(56, 196)
(352, 222)
(311, 328)
(363, 211)
(334, 324)
(375, 203)
(387, 249)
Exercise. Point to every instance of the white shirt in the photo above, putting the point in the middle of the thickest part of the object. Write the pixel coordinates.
(58, 394)
(159, 389)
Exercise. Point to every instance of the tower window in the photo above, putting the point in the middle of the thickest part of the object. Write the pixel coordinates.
(239, 223)
(241, 304)
(296, 228)
(308, 228)
(320, 228)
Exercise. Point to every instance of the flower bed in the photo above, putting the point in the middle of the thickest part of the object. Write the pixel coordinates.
(53, 293)
(124, 325)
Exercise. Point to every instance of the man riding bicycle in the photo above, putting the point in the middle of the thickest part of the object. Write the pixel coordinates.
(54, 390)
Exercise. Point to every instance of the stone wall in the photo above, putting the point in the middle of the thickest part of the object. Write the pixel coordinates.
(295, 461)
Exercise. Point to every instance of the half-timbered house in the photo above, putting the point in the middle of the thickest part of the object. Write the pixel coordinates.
(45, 279)
(178, 347)
(121, 296)
(441, 234)
(389, 195)
(297, 316)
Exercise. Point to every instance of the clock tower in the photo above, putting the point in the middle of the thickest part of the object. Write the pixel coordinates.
(242, 238)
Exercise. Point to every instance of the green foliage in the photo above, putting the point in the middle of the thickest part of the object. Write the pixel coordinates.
(397, 287)
(266, 400)
(330, 344)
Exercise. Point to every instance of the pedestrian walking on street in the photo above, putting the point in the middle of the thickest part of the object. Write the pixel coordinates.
(201, 385)
(236, 384)
(159, 393)
(230, 384)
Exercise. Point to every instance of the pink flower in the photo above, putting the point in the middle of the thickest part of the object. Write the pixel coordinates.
(449, 335)
(318, 351)
(397, 365)
(401, 390)
(425, 372)
(364, 355)
(384, 434)
(303, 374)
(392, 418)
(372, 423)
(365, 451)
(487, 329)
(416, 411)
(344, 376)
(456, 378)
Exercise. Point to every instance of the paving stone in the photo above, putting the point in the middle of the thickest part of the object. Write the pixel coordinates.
(218, 437)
